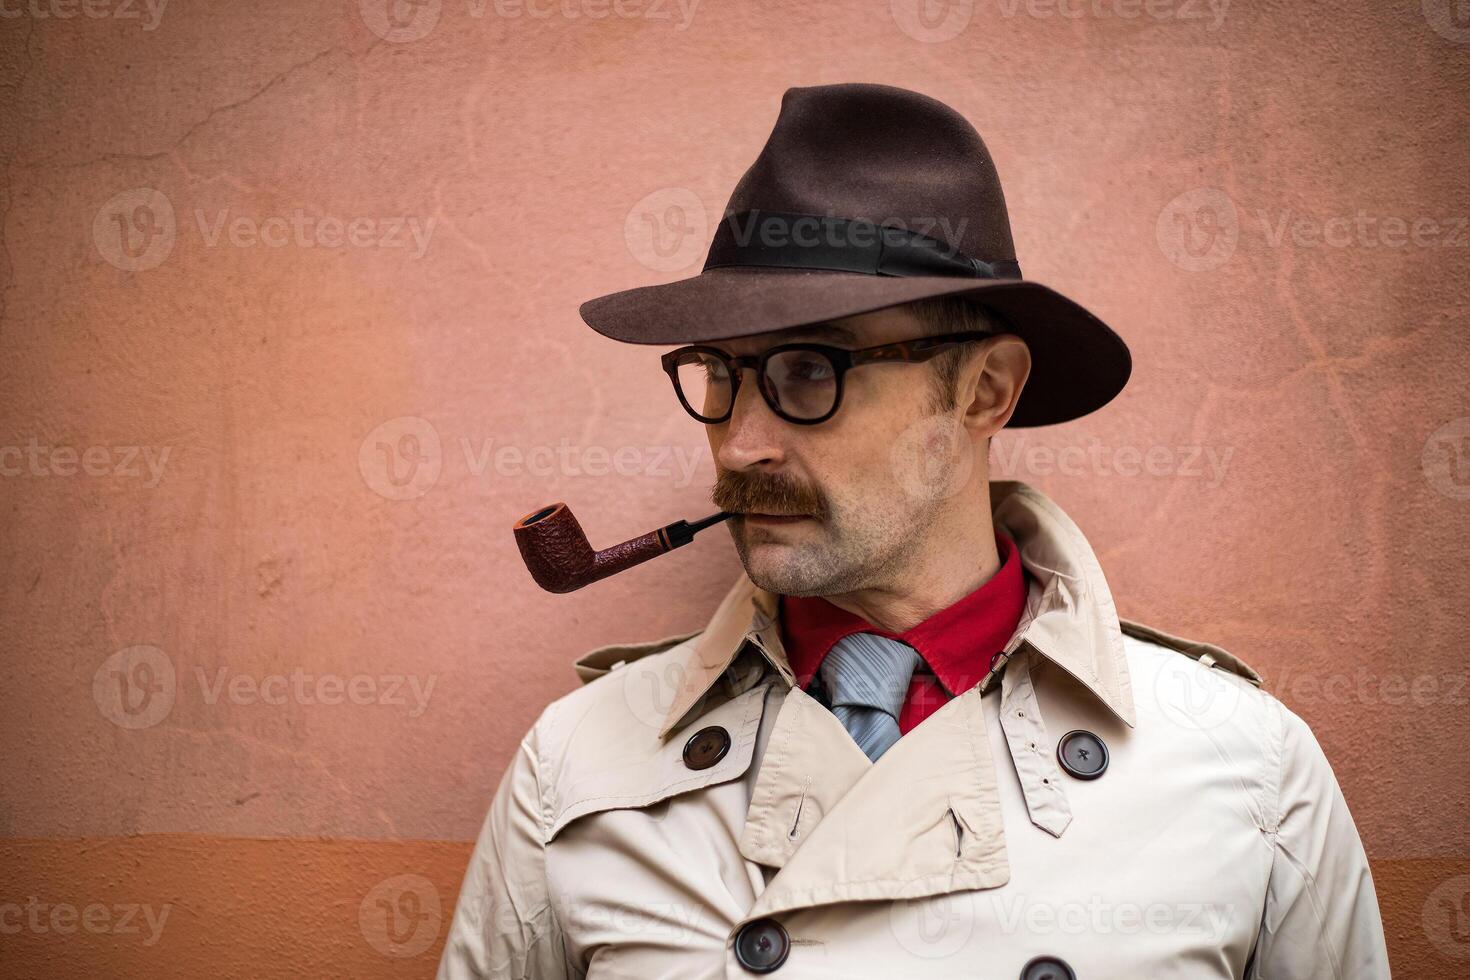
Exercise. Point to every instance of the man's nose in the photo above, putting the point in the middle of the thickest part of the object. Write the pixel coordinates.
(753, 434)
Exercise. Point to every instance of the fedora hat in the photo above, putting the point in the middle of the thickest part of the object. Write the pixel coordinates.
(864, 197)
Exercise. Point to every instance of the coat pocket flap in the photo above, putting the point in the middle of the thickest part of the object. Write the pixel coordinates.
(620, 763)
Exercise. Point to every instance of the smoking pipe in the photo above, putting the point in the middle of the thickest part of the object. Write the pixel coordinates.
(555, 547)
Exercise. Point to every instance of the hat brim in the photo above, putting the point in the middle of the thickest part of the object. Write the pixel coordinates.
(1077, 362)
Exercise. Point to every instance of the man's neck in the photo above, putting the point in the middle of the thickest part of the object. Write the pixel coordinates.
(958, 564)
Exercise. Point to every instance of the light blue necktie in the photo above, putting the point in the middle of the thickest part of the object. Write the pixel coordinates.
(866, 677)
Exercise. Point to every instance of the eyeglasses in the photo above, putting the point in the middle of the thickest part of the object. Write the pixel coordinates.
(801, 382)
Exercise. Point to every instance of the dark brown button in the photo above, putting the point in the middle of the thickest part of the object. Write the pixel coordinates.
(706, 747)
(1082, 754)
(1047, 968)
(761, 945)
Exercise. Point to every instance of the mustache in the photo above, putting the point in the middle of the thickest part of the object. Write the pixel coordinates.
(764, 493)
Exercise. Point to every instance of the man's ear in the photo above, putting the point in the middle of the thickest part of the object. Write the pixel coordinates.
(990, 383)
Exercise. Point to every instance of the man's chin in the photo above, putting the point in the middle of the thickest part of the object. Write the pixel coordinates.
(778, 566)
(775, 546)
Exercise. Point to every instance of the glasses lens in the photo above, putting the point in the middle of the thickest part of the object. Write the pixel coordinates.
(704, 381)
(802, 382)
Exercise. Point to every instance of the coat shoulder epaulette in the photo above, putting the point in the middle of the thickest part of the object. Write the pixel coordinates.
(605, 659)
(1206, 653)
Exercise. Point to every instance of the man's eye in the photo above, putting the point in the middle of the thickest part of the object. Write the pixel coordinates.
(812, 369)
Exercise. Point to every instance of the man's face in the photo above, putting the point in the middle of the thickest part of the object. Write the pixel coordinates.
(849, 478)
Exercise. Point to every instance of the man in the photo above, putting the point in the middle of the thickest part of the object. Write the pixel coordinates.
(915, 740)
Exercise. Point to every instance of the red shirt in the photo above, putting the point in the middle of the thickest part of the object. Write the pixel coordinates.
(957, 642)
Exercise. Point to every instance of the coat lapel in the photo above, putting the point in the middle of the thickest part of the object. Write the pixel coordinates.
(809, 764)
(922, 820)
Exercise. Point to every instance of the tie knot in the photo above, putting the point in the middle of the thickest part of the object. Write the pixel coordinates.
(870, 671)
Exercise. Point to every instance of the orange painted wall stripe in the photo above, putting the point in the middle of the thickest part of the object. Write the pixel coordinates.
(268, 909)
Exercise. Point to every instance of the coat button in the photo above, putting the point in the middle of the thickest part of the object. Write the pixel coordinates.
(706, 747)
(761, 946)
(1082, 754)
(1047, 968)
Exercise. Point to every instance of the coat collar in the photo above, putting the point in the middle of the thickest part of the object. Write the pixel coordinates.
(1069, 617)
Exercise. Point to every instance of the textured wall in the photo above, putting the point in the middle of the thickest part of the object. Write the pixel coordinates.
(288, 319)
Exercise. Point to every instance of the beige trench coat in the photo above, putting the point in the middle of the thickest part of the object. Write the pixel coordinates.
(1215, 844)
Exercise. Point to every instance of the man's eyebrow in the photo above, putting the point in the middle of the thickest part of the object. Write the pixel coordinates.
(831, 331)
(822, 331)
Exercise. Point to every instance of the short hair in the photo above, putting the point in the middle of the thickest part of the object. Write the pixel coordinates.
(952, 314)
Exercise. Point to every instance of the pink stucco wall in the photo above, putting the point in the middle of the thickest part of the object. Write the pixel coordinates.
(288, 339)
